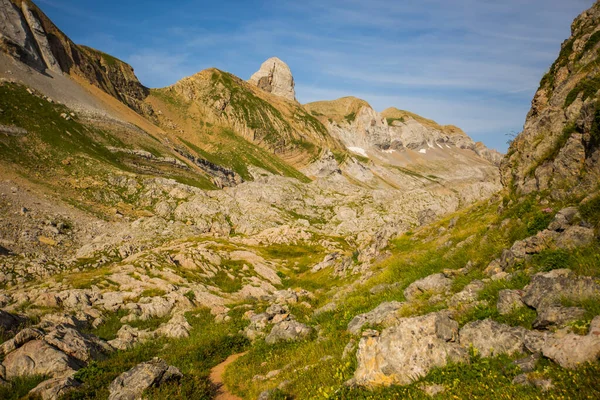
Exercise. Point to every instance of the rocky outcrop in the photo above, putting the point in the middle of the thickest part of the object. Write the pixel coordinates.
(436, 283)
(408, 350)
(288, 331)
(130, 385)
(28, 35)
(559, 146)
(385, 312)
(571, 350)
(274, 76)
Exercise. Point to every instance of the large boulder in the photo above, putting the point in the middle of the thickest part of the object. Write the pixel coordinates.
(288, 331)
(436, 283)
(550, 288)
(408, 350)
(382, 313)
(39, 358)
(53, 389)
(491, 338)
(571, 350)
(131, 384)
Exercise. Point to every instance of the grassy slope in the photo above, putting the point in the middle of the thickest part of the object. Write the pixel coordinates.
(59, 152)
(220, 145)
(415, 256)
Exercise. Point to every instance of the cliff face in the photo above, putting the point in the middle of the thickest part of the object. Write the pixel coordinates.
(559, 146)
(28, 35)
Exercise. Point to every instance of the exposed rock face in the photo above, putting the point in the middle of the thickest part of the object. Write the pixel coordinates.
(408, 350)
(561, 136)
(16, 39)
(29, 36)
(548, 289)
(131, 384)
(41, 39)
(274, 76)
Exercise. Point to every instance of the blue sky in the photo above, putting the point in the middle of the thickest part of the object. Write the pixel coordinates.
(472, 63)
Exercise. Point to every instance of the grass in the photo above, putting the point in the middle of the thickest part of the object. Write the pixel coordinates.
(391, 121)
(208, 345)
(589, 87)
(19, 387)
(350, 117)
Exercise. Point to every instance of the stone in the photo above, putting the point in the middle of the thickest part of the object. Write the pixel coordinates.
(77, 345)
(533, 380)
(436, 283)
(274, 76)
(177, 328)
(288, 331)
(131, 384)
(468, 295)
(527, 364)
(408, 350)
(509, 300)
(491, 338)
(571, 350)
(575, 236)
(557, 317)
(10, 322)
(39, 358)
(432, 390)
(53, 389)
(385, 312)
(550, 288)
(564, 219)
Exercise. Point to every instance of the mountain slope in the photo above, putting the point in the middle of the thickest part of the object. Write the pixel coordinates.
(558, 148)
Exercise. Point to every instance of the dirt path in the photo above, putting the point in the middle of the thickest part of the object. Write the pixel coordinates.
(216, 377)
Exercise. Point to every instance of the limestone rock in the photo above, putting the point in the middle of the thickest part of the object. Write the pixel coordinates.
(41, 39)
(571, 350)
(39, 358)
(274, 76)
(436, 283)
(557, 316)
(77, 345)
(10, 322)
(408, 350)
(288, 331)
(509, 300)
(548, 289)
(131, 384)
(53, 389)
(379, 315)
(490, 338)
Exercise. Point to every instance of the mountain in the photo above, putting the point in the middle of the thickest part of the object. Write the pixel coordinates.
(152, 238)
(558, 148)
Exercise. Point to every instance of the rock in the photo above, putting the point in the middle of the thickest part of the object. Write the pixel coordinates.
(127, 337)
(533, 380)
(468, 295)
(491, 338)
(571, 350)
(432, 389)
(527, 364)
(385, 312)
(77, 345)
(575, 236)
(550, 288)
(436, 283)
(131, 384)
(288, 331)
(557, 316)
(177, 327)
(10, 322)
(509, 300)
(408, 350)
(274, 76)
(564, 219)
(39, 358)
(24, 336)
(53, 389)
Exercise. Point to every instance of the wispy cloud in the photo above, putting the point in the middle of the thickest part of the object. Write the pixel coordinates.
(472, 63)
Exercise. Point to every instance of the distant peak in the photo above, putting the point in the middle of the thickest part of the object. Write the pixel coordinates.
(275, 76)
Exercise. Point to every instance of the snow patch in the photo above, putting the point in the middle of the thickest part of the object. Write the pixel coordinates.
(430, 145)
(448, 147)
(388, 151)
(423, 151)
(439, 145)
(358, 150)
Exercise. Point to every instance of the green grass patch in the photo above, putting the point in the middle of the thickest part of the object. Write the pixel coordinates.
(18, 388)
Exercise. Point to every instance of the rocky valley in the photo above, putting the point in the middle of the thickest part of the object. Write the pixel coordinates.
(217, 239)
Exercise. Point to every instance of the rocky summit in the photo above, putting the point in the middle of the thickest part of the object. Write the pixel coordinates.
(217, 239)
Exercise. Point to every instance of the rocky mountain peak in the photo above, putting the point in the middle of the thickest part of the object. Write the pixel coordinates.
(275, 76)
